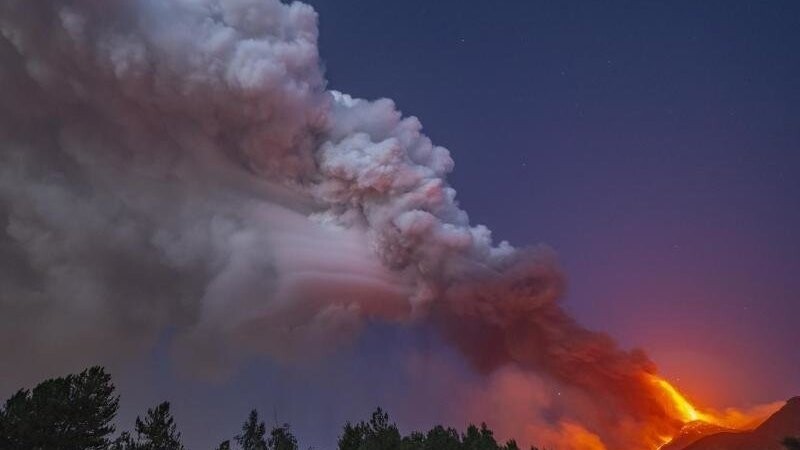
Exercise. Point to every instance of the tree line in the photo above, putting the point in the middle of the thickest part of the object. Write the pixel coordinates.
(76, 412)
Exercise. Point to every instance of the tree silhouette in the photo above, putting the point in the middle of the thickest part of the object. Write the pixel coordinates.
(438, 438)
(253, 432)
(158, 431)
(72, 412)
(281, 438)
(352, 437)
(377, 434)
(414, 441)
(75, 413)
(479, 439)
(446, 439)
(123, 442)
(380, 433)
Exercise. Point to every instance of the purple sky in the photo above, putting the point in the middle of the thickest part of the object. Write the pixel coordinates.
(655, 147)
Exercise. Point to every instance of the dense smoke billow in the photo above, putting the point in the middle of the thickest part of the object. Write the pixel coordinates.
(180, 165)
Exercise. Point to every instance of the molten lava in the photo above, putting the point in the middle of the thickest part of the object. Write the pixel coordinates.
(696, 420)
(680, 407)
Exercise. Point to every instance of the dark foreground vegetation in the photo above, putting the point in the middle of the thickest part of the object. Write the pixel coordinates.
(76, 412)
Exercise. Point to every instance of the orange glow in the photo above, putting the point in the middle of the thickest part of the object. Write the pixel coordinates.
(679, 405)
(680, 408)
(663, 440)
(579, 438)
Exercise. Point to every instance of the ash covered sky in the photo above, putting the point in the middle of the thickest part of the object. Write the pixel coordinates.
(655, 147)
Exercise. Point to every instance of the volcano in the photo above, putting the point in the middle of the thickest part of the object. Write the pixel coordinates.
(767, 436)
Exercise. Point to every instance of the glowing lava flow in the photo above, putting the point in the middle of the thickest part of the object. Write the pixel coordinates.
(693, 419)
(680, 406)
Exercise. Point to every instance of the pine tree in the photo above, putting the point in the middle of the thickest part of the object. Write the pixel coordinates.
(123, 442)
(479, 439)
(441, 438)
(158, 430)
(377, 434)
(253, 432)
(281, 438)
(72, 412)
(414, 441)
(352, 437)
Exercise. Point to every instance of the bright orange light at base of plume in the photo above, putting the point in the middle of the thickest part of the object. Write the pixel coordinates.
(685, 411)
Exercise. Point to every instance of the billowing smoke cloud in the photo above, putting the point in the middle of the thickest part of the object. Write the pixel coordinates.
(180, 165)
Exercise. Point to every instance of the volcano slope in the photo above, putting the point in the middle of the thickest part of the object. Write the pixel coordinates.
(767, 436)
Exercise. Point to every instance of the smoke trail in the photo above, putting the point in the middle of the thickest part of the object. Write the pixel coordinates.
(180, 164)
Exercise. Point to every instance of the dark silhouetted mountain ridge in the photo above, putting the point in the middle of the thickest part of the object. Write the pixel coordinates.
(767, 436)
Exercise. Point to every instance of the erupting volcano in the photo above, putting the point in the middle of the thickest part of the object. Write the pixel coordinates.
(180, 172)
(697, 423)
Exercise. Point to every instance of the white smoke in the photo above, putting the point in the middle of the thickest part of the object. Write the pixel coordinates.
(180, 165)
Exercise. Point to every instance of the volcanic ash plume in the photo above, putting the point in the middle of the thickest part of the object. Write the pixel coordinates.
(180, 165)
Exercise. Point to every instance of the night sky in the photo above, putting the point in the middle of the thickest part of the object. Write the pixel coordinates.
(654, 145)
